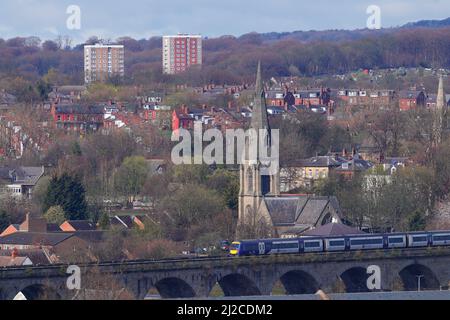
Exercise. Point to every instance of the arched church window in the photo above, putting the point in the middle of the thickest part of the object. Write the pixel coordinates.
(249, 180)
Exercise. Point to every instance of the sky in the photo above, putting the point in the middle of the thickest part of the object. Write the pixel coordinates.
(139, 19)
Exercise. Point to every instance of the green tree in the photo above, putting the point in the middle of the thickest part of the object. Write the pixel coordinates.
(5, 219)
(226, 183)
(104, 222)
(68, 192)
(131, 176)
(55, 214)
(189, 206)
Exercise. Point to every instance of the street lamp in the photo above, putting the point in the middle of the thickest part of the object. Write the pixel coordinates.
(419, 277)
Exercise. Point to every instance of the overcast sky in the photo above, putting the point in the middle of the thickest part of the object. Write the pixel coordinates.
(145, 18)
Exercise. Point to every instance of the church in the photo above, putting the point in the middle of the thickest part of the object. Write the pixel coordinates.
(262, 208)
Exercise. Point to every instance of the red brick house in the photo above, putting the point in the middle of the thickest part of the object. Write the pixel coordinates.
(77, 118)
(160, 116)
(181, 119)
(411, 99)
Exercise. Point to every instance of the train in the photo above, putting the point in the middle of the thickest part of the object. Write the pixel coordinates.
(340, 243)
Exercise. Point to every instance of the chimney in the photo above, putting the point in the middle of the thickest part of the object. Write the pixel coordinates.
(33, 224)
(14, 253)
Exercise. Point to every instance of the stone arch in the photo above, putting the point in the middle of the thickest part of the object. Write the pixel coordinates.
(170, 288)
(235, 285)
(355, 279)
(299, 282)
(40, 292)
(415, 274)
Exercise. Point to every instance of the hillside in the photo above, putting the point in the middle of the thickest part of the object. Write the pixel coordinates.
(341, 35)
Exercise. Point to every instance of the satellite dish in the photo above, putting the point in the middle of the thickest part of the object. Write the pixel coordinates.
(20, 296)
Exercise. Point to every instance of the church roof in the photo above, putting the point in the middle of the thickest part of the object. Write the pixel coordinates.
(282, 210)
(332, 229)
(299, 210)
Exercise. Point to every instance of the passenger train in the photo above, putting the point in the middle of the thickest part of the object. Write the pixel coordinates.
(340, 243)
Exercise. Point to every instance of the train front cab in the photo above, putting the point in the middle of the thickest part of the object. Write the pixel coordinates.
(235, 248)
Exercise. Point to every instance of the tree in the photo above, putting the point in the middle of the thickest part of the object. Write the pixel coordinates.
(5, 219)
(104, 222)
(68, 192)
(254, 226)
(226, 183)
(40, 190)
(55, 214)
(189, 206)
(131, 176)
(50, 46)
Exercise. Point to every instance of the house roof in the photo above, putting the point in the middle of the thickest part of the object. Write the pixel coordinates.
(91, 236)
(37, 256)
(355, 165)
(28, 175)
(409, 94)
(321, 161)
(6, 98)
(10, 261)
(123, 221)
(81, 225)
(154, 165)
(79, 109)
(22, 175)
(34, 238)
(53, 227)
(332, 229)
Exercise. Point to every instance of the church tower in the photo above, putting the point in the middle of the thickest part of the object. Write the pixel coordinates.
(254, 185)
(440, 114)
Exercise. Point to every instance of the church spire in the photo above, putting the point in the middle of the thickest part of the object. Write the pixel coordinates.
(441, 102)
(259, 112)
(440, 113)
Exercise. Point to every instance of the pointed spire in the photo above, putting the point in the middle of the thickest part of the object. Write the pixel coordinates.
(440, 114)
(259, 83)
(441, 102)
(259, 110)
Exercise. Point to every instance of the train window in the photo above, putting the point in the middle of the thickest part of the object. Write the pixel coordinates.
(337, 242)
(312, 244)
(396, 240)
(357, 242)
(251, 247)
(285, 245)
(441, 238)
(420, 238)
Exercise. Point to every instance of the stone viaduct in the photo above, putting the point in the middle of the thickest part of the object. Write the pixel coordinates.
(401, 269)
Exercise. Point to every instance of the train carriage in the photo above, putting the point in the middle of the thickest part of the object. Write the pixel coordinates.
(343, 243)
